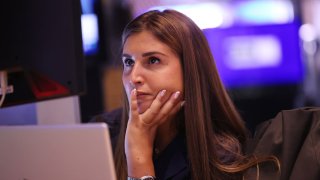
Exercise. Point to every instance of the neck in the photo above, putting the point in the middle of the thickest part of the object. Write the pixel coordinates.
(165, 134)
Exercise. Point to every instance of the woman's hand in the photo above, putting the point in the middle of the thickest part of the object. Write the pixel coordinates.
(142, 128)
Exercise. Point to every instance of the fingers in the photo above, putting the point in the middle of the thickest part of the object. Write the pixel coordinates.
(172, 106)
(162, 108)
(134, 114)
(155, 107)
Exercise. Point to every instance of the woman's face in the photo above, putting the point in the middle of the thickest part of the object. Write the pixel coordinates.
(150, 66)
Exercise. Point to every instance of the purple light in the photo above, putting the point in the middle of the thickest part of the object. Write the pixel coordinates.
(236, 52)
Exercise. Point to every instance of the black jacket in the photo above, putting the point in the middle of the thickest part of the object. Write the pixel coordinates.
(294, 137)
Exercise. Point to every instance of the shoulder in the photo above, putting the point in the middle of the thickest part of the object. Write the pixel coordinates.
(293, 136)
(289, 126)
(292, 118)
(113, 120)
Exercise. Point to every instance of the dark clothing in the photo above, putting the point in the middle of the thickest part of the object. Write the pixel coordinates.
(172, 162)
(293, 136)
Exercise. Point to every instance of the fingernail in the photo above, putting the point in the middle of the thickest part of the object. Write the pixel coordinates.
(176, 95)
(183, 103)
(162, 93)
(134, 91)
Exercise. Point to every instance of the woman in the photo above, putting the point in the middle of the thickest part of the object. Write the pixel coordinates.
(178, 121)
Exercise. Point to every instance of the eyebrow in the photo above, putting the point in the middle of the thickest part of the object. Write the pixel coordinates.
(145, 54)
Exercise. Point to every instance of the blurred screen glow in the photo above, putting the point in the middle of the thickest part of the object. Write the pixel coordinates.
(217, 15)
(257, 55)
(89, 27)
(90, 33)
(205, 15)
(249, 52)
(265, 12)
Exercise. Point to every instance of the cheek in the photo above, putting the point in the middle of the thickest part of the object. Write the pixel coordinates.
(174, 81)
(171, 85)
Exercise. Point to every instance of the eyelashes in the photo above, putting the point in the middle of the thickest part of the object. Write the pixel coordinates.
(128, 62)
(154, 60)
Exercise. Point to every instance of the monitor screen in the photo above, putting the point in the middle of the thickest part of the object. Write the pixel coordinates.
(41, 49)
(257, 55)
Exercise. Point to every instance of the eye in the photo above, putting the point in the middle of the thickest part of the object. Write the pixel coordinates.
(154, 60)
(128, 62)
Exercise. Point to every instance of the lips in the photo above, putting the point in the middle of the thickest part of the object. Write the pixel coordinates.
(140, 93)
(142, 96)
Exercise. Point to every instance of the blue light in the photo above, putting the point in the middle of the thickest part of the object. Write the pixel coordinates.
(257, 55)
(265, 12)
(205, 15)
(89, 27)
(90, 33)
(87, 6)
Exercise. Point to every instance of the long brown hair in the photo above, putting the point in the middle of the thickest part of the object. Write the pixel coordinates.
(214, 131)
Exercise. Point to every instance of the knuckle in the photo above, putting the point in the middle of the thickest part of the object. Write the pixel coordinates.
(162, 114)
(154, 112)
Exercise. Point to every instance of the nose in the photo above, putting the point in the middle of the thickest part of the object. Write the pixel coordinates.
(136, 75)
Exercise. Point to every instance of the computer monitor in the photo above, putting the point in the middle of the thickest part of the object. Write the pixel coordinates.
(41, 49)
(264, 55)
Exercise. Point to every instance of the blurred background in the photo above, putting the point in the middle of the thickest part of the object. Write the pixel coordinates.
(267, 52)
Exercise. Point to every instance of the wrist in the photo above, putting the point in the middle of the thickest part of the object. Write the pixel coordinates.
(139, 156)
(139, 167)
(142, 178)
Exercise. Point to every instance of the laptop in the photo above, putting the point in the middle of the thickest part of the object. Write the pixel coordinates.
(56, 152)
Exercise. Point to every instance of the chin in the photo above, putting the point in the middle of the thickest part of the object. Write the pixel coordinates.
(143, 107)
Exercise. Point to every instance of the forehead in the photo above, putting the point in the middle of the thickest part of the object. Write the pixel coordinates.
(143, 42)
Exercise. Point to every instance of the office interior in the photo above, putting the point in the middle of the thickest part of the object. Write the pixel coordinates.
(267, 53)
